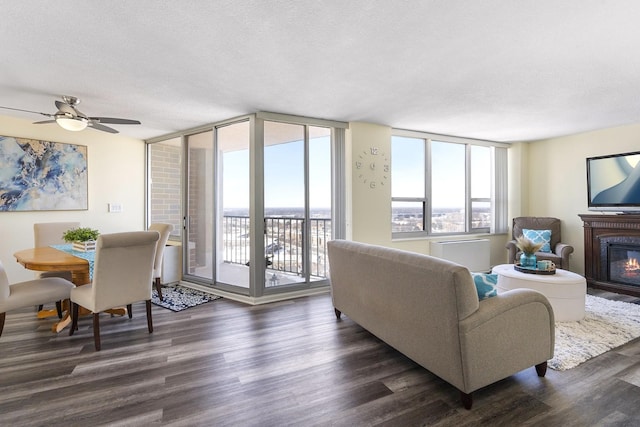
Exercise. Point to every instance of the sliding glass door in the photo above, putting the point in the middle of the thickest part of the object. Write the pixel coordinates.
(198, 244)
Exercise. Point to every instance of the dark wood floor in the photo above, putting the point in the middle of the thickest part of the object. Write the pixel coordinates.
(282, 364)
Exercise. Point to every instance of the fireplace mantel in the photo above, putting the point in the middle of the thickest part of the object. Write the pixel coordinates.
(597, 227)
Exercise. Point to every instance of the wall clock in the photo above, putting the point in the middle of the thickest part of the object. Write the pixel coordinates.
(372, 167)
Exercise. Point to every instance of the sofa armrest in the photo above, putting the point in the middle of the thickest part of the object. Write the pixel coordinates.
(502, 303)
(509, 332)
(513, 250)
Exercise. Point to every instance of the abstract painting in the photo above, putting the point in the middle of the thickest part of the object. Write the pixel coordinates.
(42, 176)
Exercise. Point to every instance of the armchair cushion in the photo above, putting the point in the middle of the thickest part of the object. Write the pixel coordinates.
(539, 236)
(486, 285)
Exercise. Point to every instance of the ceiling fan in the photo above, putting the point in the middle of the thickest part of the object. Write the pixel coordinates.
(70, 118)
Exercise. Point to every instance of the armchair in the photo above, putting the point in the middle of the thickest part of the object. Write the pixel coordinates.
(560, 252)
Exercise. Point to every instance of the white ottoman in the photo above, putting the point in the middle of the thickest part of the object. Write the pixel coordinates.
(565, 290)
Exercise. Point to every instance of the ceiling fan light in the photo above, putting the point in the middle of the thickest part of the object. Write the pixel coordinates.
(73, 124)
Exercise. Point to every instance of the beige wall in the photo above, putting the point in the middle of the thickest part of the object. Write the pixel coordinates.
(558, 178)
(370, 220)
(116, 175)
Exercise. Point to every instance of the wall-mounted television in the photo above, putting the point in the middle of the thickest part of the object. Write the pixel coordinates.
(613, 182)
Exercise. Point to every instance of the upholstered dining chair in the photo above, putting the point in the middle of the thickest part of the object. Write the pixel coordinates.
(122, 273)
(30, 293)
(557, 252)
(47, 234)
(164, 230)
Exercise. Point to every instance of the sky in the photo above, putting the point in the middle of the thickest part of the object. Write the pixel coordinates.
(284, 175)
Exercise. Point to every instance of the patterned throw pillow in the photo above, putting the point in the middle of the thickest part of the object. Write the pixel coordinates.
(539, 236)
(486, 285)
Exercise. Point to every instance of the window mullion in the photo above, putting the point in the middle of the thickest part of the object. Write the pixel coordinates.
(427, 187)
(467, 189)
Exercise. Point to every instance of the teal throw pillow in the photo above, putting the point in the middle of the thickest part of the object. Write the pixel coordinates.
(539, 236)
(486, 285)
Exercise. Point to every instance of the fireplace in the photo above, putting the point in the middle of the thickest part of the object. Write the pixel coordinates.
(612, 252)
(621, 260)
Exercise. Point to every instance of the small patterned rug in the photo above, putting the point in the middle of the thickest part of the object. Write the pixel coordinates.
(607, 324)
(178, 298)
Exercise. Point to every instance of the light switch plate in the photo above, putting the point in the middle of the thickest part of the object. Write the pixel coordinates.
(115, 207)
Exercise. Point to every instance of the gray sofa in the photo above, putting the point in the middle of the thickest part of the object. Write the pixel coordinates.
(428, 309)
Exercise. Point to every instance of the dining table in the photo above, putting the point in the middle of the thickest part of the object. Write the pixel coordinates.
(49, 258)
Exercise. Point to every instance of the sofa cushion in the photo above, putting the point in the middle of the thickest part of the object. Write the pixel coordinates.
(539, 236)
(486, 285)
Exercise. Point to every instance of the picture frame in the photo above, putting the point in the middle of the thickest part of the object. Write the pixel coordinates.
(38, 175)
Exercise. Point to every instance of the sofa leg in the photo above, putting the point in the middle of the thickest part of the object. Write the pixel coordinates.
(338, 313)
(541, 369)
(2, 317)
(467, 400)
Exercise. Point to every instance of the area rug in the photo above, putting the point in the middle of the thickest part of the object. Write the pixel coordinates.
(607, 324)
(178, 298)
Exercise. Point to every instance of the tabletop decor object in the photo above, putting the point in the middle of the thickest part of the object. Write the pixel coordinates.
(536, 269)
(83, 238)
(529, 249)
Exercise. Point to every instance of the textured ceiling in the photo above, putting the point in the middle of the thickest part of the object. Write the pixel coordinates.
(498, 70)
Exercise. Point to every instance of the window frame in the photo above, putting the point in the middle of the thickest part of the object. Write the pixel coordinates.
(497, 199)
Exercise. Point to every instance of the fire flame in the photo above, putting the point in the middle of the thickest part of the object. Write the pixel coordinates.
(632, 264)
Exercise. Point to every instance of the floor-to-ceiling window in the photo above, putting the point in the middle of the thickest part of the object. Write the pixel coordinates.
(297, 202)
(264, 175)
(233, 200)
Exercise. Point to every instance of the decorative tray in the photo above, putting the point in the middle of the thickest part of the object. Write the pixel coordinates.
(535, 270)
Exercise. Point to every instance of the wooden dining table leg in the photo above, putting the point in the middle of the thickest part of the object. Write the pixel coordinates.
(43, 314)
(79, 278)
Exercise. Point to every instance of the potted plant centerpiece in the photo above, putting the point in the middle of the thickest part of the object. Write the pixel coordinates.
(82, 238)
(529, 249)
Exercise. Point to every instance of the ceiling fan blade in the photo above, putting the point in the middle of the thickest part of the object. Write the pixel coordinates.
(27, 111)
(98, 126)
(115, 121)
(44, 122)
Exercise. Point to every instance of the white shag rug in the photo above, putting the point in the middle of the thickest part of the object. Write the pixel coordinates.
(607, 324)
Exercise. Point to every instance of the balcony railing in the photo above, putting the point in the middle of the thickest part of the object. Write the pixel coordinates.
(284, 243)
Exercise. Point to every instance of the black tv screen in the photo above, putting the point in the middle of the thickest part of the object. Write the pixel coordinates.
(613, 182)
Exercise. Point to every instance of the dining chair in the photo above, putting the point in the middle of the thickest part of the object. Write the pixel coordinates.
(29, 293)
(47, 234)
(164, 230)
(122, 273)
